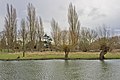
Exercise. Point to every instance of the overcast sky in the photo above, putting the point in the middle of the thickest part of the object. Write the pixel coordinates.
(92, 13)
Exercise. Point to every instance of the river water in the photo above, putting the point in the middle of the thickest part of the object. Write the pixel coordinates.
(60, 70)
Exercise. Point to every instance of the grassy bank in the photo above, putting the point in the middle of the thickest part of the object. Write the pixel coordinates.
(57, 55)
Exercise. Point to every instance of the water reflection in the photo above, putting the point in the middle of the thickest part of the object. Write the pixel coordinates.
(71, 70)
(60, 70)
(104, 69)
(109, 70)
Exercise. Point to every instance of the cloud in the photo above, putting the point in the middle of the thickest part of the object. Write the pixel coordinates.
(96, 13)
(81, 12)
(93, 13)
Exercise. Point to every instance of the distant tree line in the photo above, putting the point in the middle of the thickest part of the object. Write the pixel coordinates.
(31, 37)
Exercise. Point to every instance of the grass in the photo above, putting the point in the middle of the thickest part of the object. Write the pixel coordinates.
(57, 55)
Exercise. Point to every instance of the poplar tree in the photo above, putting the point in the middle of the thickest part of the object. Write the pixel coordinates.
(74, 26)
(11, 27)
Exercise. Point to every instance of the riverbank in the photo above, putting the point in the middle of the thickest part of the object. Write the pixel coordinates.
(56, 55)
(58, 59)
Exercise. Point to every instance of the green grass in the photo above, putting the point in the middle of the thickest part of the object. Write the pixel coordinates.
(58, 55)
(9, 56)
(37, 56)
(113, 55)
(84, 56)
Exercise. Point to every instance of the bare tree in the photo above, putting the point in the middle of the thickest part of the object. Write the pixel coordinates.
(60, 38)
(2, 40)
(115, 42)
(104, 41)
(10, 26)
(40, 33)
(74, 25)
(23, 35)
(87, 37)
(31, 19)
(55, 32)
(65, 42)
(67, 39)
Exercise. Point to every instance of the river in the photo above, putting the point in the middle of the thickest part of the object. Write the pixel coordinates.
(60, 70)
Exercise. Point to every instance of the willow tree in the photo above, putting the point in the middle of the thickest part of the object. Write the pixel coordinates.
(60, 38)
(10, 27)
(74, 26)
(65, 42)
(104, 41)
(31, 19)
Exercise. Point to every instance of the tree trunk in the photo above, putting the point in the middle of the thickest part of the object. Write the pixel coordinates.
(66, 55)
(23, 53)
(102, 53)
(24, 46)
(104, 50)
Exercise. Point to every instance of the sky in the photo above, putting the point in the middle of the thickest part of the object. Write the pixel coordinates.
(92, 13)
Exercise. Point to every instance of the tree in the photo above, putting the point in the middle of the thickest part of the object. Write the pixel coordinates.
(87, 37)
(55, 33)
(2, 40)
(40, 33)
(31, 20)
(61, 38)
(47, 41)
(74, 26)
(115, 42)
(23, 35)
(10, 26)
(65, 42)
(104, 41)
